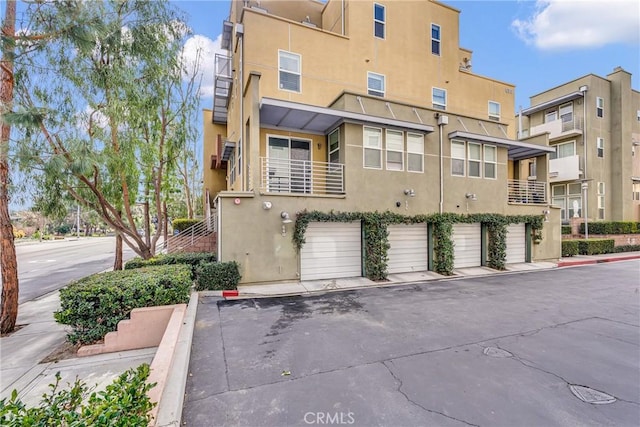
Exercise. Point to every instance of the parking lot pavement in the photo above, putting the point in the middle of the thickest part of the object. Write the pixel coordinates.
(544, 348)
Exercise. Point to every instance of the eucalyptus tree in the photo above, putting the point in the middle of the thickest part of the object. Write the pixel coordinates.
(109, 114)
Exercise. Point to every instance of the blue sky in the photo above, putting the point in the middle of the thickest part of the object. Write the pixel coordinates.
(535, 45)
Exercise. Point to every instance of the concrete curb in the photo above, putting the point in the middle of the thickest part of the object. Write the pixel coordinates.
(596, 261)
(170, 406)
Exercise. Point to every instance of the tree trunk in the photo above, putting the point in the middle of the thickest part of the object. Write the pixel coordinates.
(117, 263)
(165, 224)
(8, 262)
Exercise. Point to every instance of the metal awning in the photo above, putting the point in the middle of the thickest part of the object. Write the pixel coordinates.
(227, 150)
(517, 150)
(549, 104)
(280, 114)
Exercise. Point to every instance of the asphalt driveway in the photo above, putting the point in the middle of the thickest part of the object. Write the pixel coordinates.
(548, 348)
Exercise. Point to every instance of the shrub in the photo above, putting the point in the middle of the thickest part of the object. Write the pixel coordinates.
(125, 402)
(612, 227)
(627, 248)
(190, 258)
(182, 224)
(95, 304)
(595, 246)
(212, 276)
(569, 247)
(566, 229)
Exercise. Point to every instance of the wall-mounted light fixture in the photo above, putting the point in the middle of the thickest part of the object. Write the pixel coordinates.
(409, 192)
(546, 213)
(286, 219)
(471, 196)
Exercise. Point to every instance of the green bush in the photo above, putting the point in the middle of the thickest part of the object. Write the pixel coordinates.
(95, 304)
(566, 229)
(125, 402)
(612, 227)
(182, 224)
(627, 248)
(190, 258)
(595, 246)
(213, 276)
(569, 248)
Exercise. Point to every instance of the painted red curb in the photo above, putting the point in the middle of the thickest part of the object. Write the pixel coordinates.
(597, 261)
(226, 294)
(572, 263)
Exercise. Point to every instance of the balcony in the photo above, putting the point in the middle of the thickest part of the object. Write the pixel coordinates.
(559, 129)
(301, 177)
(223, 78)
(528, 192)
(564, 169)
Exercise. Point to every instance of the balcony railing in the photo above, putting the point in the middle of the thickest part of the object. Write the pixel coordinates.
(559, 128)
(301, 176)
(222, 87)
(523, 191)
(564, 169)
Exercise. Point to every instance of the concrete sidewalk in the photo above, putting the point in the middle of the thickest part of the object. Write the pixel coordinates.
(22, 352)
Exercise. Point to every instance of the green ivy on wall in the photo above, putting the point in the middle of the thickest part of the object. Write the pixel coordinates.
(377, 243)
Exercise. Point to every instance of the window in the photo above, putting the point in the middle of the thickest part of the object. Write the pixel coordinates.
(375, 84)
(568, 198)
(600, 146)
(601, 200)
(239, 157)
(395, 150)
(475, 159)
(457, 158)
(550, 116)
(435, 39)
(232, 172)
(638, 115)
(599, 107)
(636, 191)
(372, 148)
(566, 149)
(289, 165)
(289, 67)
(378, 20)
(494, 110)
(566, 112)
(490, 160)
(334, 146)
(415, 152)
(439, 98)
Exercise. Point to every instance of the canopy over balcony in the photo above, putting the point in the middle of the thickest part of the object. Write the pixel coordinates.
(517, 150)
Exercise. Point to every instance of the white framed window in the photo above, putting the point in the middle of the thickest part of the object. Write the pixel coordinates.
(395, 150)
(550, 116)
(494, 111)
(565, 149)
(289, 67)
(599, 107)
(415, 152)
(334, 147)
(458, 158)
(375, 84)
(475, 159)
(435, 39)
(638, 115)
(566, 112)
(232, 172)
(600, 147)
(636, 191)
(239, 157)
(372, 148)
(439, 98)
(491, 161)
(379, 20)
(601, 200)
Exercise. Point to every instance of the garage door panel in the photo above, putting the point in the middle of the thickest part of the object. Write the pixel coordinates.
(408, 248)
(467, 245)
(516, 243)
(332, 250)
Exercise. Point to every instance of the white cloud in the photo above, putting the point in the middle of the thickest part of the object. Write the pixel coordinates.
(90, 118)
(198, 55)
(562, 24)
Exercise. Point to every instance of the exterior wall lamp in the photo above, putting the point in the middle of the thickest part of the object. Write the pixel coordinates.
(546, 213)
(286, 219)
(409, 192)
(471, 196)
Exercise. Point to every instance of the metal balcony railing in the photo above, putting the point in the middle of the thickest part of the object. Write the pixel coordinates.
(523, 191)
(301, 176)
(223, 79)
(192, 235)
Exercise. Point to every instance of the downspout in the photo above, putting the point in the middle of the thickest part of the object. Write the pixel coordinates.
(342, 15)
(440, 125)
(241, 94)
(585, 183)
(520, 123)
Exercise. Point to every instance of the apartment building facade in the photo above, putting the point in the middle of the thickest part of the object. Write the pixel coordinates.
(593, 123)
(360, 106)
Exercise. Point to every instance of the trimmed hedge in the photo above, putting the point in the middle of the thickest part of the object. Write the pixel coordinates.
(94, 305)
(612, 227)
(596, 246)
(125, 402)
(566, 229)
(569, 247)
(182, 224)
(626, 248)
(214, 276)
(190, 258)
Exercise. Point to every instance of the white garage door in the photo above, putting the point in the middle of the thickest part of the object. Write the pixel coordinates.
(408, 248)
(466, 245)
(516, 243)
(332, 250)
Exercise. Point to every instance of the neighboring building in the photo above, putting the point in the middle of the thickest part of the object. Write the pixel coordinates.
(360, 106)
(604, 112)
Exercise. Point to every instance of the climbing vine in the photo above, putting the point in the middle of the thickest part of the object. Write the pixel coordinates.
(376, 241)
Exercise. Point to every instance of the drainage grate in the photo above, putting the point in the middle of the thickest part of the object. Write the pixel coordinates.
(590, 395)
(496, 352)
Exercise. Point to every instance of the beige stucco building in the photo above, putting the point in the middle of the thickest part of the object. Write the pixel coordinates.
(593, 123)
(361, 106)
